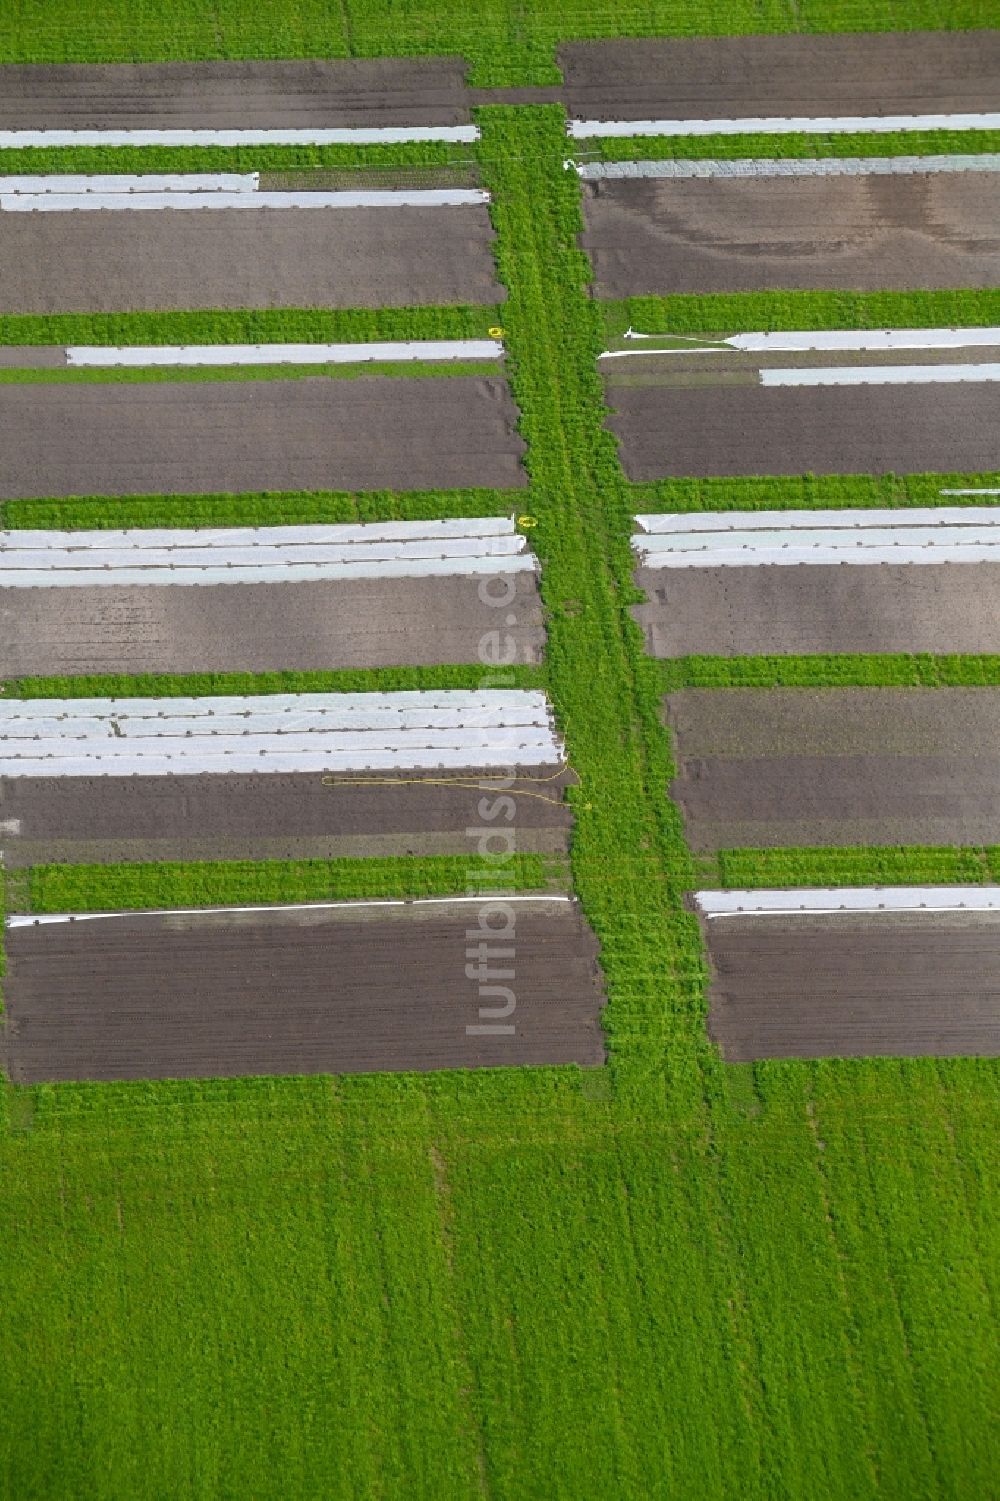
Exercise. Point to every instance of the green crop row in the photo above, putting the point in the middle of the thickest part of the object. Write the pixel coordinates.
(851, 670)
(812, 491)
(743, 312)
(342, 680)
(910, 865)
(154, 375)
(797, 144)
(408, 157)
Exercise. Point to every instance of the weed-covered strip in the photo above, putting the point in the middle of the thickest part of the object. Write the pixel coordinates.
(903, 865)
(725, 313)
(850, 670)
(217, 883)
(799, 145)
(261, 508)
(812, 491)
(44, 161)
(155, 375)
(223, 684)
(251, 326)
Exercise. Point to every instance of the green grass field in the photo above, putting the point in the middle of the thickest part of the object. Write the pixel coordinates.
(669, 1278)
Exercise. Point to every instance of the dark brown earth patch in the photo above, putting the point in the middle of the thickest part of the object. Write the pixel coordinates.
(280, 817)
(850, 987)
(811, 608)
(724, 234)
(669, 431)
(871, 73)
(264, 627)
(118, 261)
(298, 992)
(197, 437)
(771, 768)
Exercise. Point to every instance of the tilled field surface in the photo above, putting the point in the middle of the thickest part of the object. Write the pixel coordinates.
(298, 992)
(861, 233)
(724, 77)
(118, 261)
(849, 987)
(838, 766)
(673, 431)
(104, 820)
(396, 622)
(193, 437)
(810, 608)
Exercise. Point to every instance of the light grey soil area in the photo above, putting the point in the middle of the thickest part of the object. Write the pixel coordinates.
(671, 431)
(929, 72)
(770, 768)
(853, 987)
(860, 233)
(117, 261)
(234, 95)
(266, 627)
(281, 817)
(196, 437)
(806, 608)
(300, 993)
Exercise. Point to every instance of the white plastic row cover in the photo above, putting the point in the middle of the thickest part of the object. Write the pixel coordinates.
(881, 375)
(848, 517)
(505, 702)
(805, 341)
(831, 900)
(134, 356)
(788, 166)
(354, 135)
(147, 182)
(49, 919)
(61, 203)
(778, 125)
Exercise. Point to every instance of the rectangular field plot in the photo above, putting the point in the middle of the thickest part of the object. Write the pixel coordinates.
(310, 434)
(854, 985)
(703, 425)
(726, 234)
(301, 991)
(266, 599)
(220, 257)
(840, 766)
(750, 77)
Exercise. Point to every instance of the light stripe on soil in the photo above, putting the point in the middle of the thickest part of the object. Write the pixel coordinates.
(61, 203)
(881, 375)
(388, 135)
(829, 900)
(751, 167)
(126, 182)
(581, 130)
(484, 898)
(136, 356)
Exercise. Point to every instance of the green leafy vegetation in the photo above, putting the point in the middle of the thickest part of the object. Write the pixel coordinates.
(343, 680)
(408, 156)
(153, 375)
(909, 865)
(812, 491)
(798, 144)
(851, 670)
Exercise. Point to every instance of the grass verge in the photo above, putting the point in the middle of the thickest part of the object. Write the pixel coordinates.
(850, 670)
(904, 865)
(201, 684)
(799, 145)
(153, 375)
(766, 312)
(812, 491)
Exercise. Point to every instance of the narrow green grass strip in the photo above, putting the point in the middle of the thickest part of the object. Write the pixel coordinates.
(209, 374)
(128, 160)
(900, 670)
(253, 326)
(217, 883)
(903, 865)
(205, 684)
(803, 492)
(800, 145)
(260, 508)
(751, 312)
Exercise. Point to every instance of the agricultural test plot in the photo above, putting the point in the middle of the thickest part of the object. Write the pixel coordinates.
(108, 438)
(265, 599)
(303, 990)
(853, 984)
(724, 234)
(837, 766)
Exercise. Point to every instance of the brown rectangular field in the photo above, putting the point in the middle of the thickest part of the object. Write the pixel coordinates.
(352, 990)
(769, 768)
(908, 984)
(117, 261)
(807, 608)
(730, 234)
(699, 78)
(394, 622)
(280, 817)
(234, 95)
(746, 429)
(191, 437)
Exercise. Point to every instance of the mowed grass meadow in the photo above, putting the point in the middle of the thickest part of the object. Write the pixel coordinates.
(667, 1278)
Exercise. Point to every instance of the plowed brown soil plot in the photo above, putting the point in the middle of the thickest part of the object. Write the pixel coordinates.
(809, 608)
(300, 992)
(670, 430)
(726, 77)
(104, 820)
(724, 234)
(116, 261)
(194, 437)
(838, 766)
(850, 987)
(264, 627)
